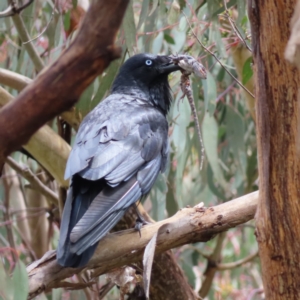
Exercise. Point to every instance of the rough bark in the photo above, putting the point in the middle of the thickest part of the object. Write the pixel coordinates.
(277, 219)
(60, 86)
(189, 225)
(168, 281)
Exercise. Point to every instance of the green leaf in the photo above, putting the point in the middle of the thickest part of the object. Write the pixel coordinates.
(215, 35)
(67, 20)
(222, 9)
(75, 3)
(158, 197)
(247, 70)
(173, 13)
(130, 29)
(235, 129)
(53, 29)
(20, 281)
(169, 39)
(182, 116)
(171, 203)
(143, 13)
(6, 285)
(85, 101)
(210, 139)
(57, 294)
(211, 184)
(157, 43)
(241, 7)
(210, 93)
(153, 6)
(106, 81)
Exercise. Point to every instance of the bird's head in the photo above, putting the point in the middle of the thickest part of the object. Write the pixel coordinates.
(146, 76)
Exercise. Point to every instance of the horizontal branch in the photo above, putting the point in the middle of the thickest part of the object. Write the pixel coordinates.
(189, 225)
(238, 263)
(13, 79)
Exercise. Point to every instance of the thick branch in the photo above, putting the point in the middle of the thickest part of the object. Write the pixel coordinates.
(58, 88)
(189, 225)
(19, 82)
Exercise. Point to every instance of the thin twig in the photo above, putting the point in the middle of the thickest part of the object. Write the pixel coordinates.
(210, 271)
(24, 36)
(105, 289)
(35, 182)
(238, 263)
(215, 57)
(234, 27)
(43, 31)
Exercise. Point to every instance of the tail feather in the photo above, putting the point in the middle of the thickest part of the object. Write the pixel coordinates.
(91, 210)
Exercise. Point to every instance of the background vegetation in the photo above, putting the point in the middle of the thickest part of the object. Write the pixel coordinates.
(29, 222)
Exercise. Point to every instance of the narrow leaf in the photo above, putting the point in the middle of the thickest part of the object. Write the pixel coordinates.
(210, 93)
(148, 259)
(20, 281)
(130, 29)
(247, 70)
(210, 139)
(148, 262)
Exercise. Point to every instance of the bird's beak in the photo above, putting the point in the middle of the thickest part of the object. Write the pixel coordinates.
(167, 65)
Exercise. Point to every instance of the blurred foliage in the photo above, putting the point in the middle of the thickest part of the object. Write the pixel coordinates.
(230, 168)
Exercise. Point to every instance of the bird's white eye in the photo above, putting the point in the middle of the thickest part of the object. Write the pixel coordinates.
(148, 62)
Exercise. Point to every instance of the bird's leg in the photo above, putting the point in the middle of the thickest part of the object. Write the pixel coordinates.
(140, 221)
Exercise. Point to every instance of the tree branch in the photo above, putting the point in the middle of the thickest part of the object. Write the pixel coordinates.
(60, 86)
(29, 47)
(34, 180)
(46, 146)
(238, 263)
(19, 82)
(189, 225)
(13, 79)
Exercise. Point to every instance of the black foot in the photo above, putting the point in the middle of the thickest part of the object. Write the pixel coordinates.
(140, 221)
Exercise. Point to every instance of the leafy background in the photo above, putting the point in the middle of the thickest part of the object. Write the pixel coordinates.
(225, 112)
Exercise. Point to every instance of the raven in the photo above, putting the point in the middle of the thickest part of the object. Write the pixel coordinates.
(120, 148)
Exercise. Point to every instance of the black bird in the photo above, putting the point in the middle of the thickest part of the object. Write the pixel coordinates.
(120, 148)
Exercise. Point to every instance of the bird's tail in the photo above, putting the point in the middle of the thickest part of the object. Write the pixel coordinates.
(92, 208)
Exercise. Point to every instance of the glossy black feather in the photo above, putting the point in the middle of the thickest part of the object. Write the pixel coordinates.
(120, 148)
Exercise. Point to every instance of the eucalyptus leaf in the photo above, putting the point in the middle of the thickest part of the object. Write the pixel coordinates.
(181, 115)
(210, 139)
(247, 70)
(130, 29)
(143, 13)
(210, 93)
(20, 281)
(154, 4)
(84, 104)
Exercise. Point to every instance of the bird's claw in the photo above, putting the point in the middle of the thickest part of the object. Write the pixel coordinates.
(139, 223)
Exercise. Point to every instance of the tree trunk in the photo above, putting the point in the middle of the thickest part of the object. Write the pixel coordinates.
(277, 115)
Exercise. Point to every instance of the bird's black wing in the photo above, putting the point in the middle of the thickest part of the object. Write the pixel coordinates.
(119, 151)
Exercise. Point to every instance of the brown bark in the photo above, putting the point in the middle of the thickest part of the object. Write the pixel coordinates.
(189, 225)
(58, 88)
(168, 281)
(277, 219)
